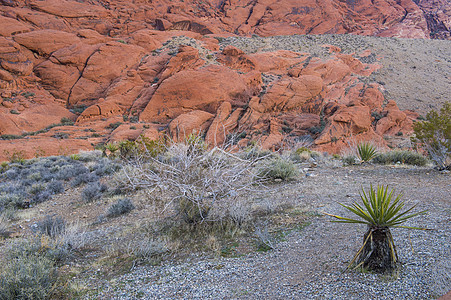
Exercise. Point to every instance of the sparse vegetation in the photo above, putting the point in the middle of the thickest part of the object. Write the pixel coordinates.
(434, 135)
(120, 207)
(349, 159)
(195, 177)
(189, 198)
(64, 122)
(51, 225)
(366, 151)
(380, 211)
(278, 168)
(114, 125)
(264, 241)
(92, 192)
(4, 232)
(28, 277)
(401, 156)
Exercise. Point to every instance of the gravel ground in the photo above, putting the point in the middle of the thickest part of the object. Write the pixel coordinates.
(309, 264)
(415, 73)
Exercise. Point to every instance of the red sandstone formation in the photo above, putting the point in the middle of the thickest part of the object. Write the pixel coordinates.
(106, 57)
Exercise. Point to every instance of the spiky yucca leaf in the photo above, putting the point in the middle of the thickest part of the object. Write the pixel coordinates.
(379, 209)
(366, 151)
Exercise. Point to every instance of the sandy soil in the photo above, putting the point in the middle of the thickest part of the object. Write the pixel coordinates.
(309, 263)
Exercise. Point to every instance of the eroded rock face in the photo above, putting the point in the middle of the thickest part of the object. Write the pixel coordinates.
(438, 17)
(203, 89)
(158, 63)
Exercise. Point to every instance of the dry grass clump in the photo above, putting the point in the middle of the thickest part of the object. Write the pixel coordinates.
(402, 157)
(278, 168)
(51, 225)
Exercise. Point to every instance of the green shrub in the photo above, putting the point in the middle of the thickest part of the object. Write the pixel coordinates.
(112, 147)
(434, 135)
(4, 166)
(66, 121)
(15, 156)
(380, 211)
(92, 192)
(142, 147)
(278, 168)
(122, 206)
(366, 151)
(402, 156)
(27, 277)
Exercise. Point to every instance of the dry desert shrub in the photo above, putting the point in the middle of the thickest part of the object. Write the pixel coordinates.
(120, 207)
(30, 267)
(28, 277)
(195, 178)
(278, 168)
(51, 225)
(401, 156)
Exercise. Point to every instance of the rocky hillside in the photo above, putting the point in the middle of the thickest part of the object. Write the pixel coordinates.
(77, 74)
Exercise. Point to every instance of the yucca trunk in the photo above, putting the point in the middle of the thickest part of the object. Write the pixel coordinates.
(378, 252)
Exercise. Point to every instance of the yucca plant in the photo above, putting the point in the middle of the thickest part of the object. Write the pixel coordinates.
(366, 151)
(380, 210)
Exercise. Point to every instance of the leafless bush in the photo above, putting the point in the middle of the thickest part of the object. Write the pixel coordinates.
(194, 177)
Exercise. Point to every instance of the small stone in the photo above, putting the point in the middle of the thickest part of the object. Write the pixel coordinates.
(7, 104)
(6, 94)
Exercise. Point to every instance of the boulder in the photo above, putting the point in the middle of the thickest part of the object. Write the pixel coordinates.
(290, 93)
(346, 122)
(12, 27)
(202, 89)
(192, 122)
(110, 61)
(46, 41)
(69, 9)
(395, 121)
(186, 59)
